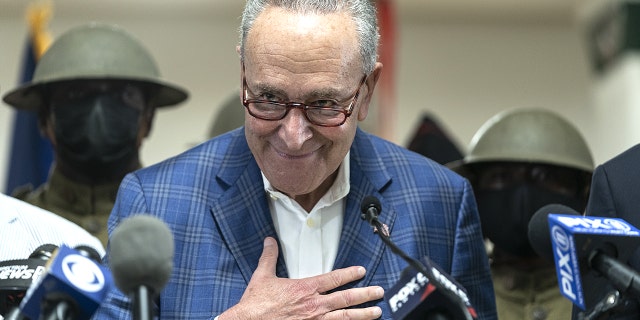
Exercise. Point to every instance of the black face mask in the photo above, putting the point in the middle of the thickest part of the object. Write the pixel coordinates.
(505, 214)
(97, 136)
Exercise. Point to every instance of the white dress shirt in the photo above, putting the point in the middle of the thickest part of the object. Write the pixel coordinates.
(309, 240)
(24, 227)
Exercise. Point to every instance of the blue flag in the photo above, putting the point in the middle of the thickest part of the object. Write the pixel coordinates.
(31, 154)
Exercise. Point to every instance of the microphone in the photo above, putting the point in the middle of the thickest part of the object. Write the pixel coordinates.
(590, 253)
(71, 287)
(370, 208)
(16, 276)
(89, 252)
(424, 279)
(141, 259)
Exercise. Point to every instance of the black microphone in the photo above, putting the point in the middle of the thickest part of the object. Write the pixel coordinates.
(421, 280)
(16, 276)
(71, 287)
(141, 259)
(590, 253)
(370, 208)
(89, 252)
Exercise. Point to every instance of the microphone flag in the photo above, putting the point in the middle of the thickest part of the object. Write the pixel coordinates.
(72, 276)
(575, 240)
(407, 297)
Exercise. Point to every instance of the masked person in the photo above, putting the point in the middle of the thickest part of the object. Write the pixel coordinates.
(519, 161)
(95, 91)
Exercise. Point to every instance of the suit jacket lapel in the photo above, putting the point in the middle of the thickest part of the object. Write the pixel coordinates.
(359, 245)
(242, 211)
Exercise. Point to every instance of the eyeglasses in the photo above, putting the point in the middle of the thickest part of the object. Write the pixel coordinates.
(324, 113)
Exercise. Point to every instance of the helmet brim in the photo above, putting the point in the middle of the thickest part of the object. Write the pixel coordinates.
(29, 97)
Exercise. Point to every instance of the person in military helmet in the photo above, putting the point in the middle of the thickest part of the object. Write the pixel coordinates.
(95, 91)
(519, 161)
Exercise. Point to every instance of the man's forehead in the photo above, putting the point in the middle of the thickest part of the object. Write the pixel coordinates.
(276, 21)
(301, 45)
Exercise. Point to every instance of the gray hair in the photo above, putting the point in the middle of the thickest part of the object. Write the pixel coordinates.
(363, 13)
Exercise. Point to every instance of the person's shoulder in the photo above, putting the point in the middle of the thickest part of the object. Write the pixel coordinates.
(395, 156)
(22, 192)
(632, 153)
(627, 157)
(13, 204)
(206, 153)
(228, 152)
(39, 226)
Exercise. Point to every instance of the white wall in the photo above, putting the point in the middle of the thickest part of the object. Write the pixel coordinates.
(614, 111)
(462, 72)
(466, 73)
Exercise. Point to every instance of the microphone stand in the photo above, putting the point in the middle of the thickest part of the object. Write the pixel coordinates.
(372, 218)
(14, 314)
(608, 302)
(625, 283)
(61, 310)
(142, 304)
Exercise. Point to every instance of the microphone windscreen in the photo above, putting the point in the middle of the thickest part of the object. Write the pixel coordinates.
(141, 254)
(538, 229)
(89, 252)
(369, 202)
(43, 252)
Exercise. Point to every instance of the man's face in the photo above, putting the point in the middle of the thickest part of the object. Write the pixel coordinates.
(295, 58)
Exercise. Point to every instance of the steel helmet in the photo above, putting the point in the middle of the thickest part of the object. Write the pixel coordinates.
(96, 52)
(529, 135)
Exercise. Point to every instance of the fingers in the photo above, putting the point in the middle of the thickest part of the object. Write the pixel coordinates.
(339, 300)
(355, 314)
(268, 259)
(337, 278)
(352, 297)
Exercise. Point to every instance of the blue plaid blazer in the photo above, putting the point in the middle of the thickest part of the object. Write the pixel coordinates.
(213, 199)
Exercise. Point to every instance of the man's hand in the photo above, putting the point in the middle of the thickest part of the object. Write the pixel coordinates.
(270, 297)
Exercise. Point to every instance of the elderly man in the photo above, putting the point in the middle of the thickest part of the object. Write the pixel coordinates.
(266, 218)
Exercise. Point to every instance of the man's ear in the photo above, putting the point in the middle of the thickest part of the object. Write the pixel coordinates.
(370, 85)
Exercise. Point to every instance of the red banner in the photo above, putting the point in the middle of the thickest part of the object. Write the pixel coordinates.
(386, 84)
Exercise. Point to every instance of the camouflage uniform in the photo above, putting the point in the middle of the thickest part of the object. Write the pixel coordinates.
(87, 206)
(530, 295)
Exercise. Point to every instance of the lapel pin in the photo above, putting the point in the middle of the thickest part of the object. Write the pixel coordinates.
(385, 230)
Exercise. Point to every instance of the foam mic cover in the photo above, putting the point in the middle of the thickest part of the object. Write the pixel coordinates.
(370, 208)
(141, 254)
(538, 229)
(89, 252)
(44, 252)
